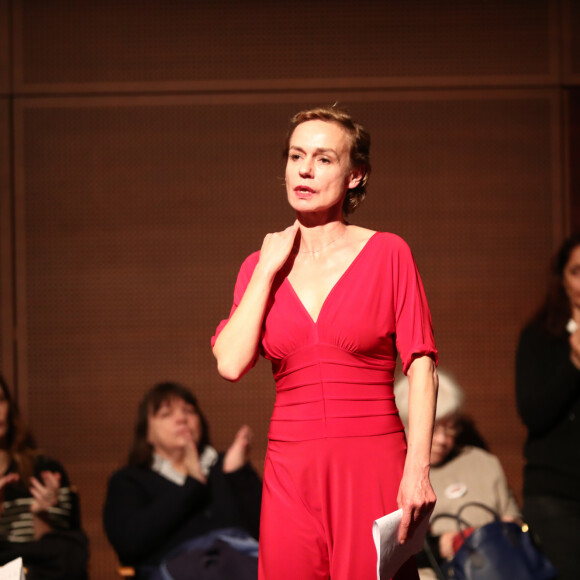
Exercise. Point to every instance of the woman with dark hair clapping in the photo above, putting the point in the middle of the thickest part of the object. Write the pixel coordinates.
(39, 512)
(179, 506)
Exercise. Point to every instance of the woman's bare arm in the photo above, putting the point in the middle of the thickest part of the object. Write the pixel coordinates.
(416, 496)
(235, 347)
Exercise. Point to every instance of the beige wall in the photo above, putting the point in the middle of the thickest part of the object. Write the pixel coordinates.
(141, 149)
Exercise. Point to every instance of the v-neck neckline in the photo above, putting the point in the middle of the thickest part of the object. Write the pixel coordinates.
(337, 283)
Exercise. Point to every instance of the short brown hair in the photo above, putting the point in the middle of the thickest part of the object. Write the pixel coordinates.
(360, 144)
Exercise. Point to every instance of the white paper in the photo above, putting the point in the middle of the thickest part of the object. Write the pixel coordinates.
(13, 570)
(390, 554)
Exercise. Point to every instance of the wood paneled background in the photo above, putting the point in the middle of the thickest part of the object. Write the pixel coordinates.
(140, 146)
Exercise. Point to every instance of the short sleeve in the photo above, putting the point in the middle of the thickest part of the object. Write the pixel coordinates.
(242, 281)
(413, 324)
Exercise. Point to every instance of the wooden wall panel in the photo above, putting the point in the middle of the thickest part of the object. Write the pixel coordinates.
(82, 46)
(138, 212)
(571, 41)
(572, 161)
(5, 47)
(6, 277)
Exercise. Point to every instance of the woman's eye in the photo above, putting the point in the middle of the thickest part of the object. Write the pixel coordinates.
(294, 156)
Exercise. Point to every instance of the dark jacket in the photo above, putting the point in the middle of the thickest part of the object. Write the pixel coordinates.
(146, 515)
(548, 400)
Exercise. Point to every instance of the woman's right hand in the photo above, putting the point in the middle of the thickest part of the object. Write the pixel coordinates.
(276, 248)
(236, 347)
(192, 463)
(7, 479)
(44, 491)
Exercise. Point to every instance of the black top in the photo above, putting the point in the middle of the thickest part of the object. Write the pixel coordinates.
(147, 515)
(548, 400)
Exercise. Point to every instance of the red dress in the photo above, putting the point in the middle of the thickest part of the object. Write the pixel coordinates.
(336, 443)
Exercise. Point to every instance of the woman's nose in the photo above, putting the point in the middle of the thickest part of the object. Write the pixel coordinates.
(305, 168)
(180, 416)
(439, 436)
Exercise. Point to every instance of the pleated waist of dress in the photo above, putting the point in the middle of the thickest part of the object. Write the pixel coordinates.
(325, 391)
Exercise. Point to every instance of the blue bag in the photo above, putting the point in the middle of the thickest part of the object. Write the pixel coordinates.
(497, 551)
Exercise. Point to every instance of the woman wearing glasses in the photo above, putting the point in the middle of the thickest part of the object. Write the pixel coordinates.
(462, 471)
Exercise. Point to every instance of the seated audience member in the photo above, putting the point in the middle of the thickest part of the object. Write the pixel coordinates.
(461, 472)
(179, 509)
(39, 513)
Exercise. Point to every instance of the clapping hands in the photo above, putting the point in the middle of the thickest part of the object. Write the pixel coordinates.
(45, 492)
(238, 453)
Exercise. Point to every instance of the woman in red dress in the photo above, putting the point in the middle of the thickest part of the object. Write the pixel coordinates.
(331, 305)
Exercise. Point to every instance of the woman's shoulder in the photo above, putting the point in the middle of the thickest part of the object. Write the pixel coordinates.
(133, 471)
(535, 336)
(386, 238)
(477, 456)
(46, 463)
(134, 477)
(387, 243)
(250, 262)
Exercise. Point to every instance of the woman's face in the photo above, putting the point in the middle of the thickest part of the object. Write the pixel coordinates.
(173, 427)
(571, 278)
(318, 171)
(4, 409)
(444, 434)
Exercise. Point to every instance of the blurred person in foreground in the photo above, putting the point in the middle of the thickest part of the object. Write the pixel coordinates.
(462, 471)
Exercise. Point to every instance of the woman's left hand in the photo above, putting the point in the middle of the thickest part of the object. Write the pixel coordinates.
(417, 499)
(45, 493)
(238, 453)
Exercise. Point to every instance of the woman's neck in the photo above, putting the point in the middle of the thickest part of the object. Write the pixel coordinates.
(177, 459)
(316, 238)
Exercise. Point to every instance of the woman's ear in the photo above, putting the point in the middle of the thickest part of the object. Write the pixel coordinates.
(356, 176)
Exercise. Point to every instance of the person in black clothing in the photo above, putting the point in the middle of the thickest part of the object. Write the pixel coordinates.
(39, 511)
(548, 400)
(178, 504)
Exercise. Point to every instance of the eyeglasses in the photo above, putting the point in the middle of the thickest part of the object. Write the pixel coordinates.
(449, 430)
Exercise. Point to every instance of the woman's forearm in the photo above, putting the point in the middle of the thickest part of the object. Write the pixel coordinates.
(236, 346)
(416, 496)
(423, 385)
